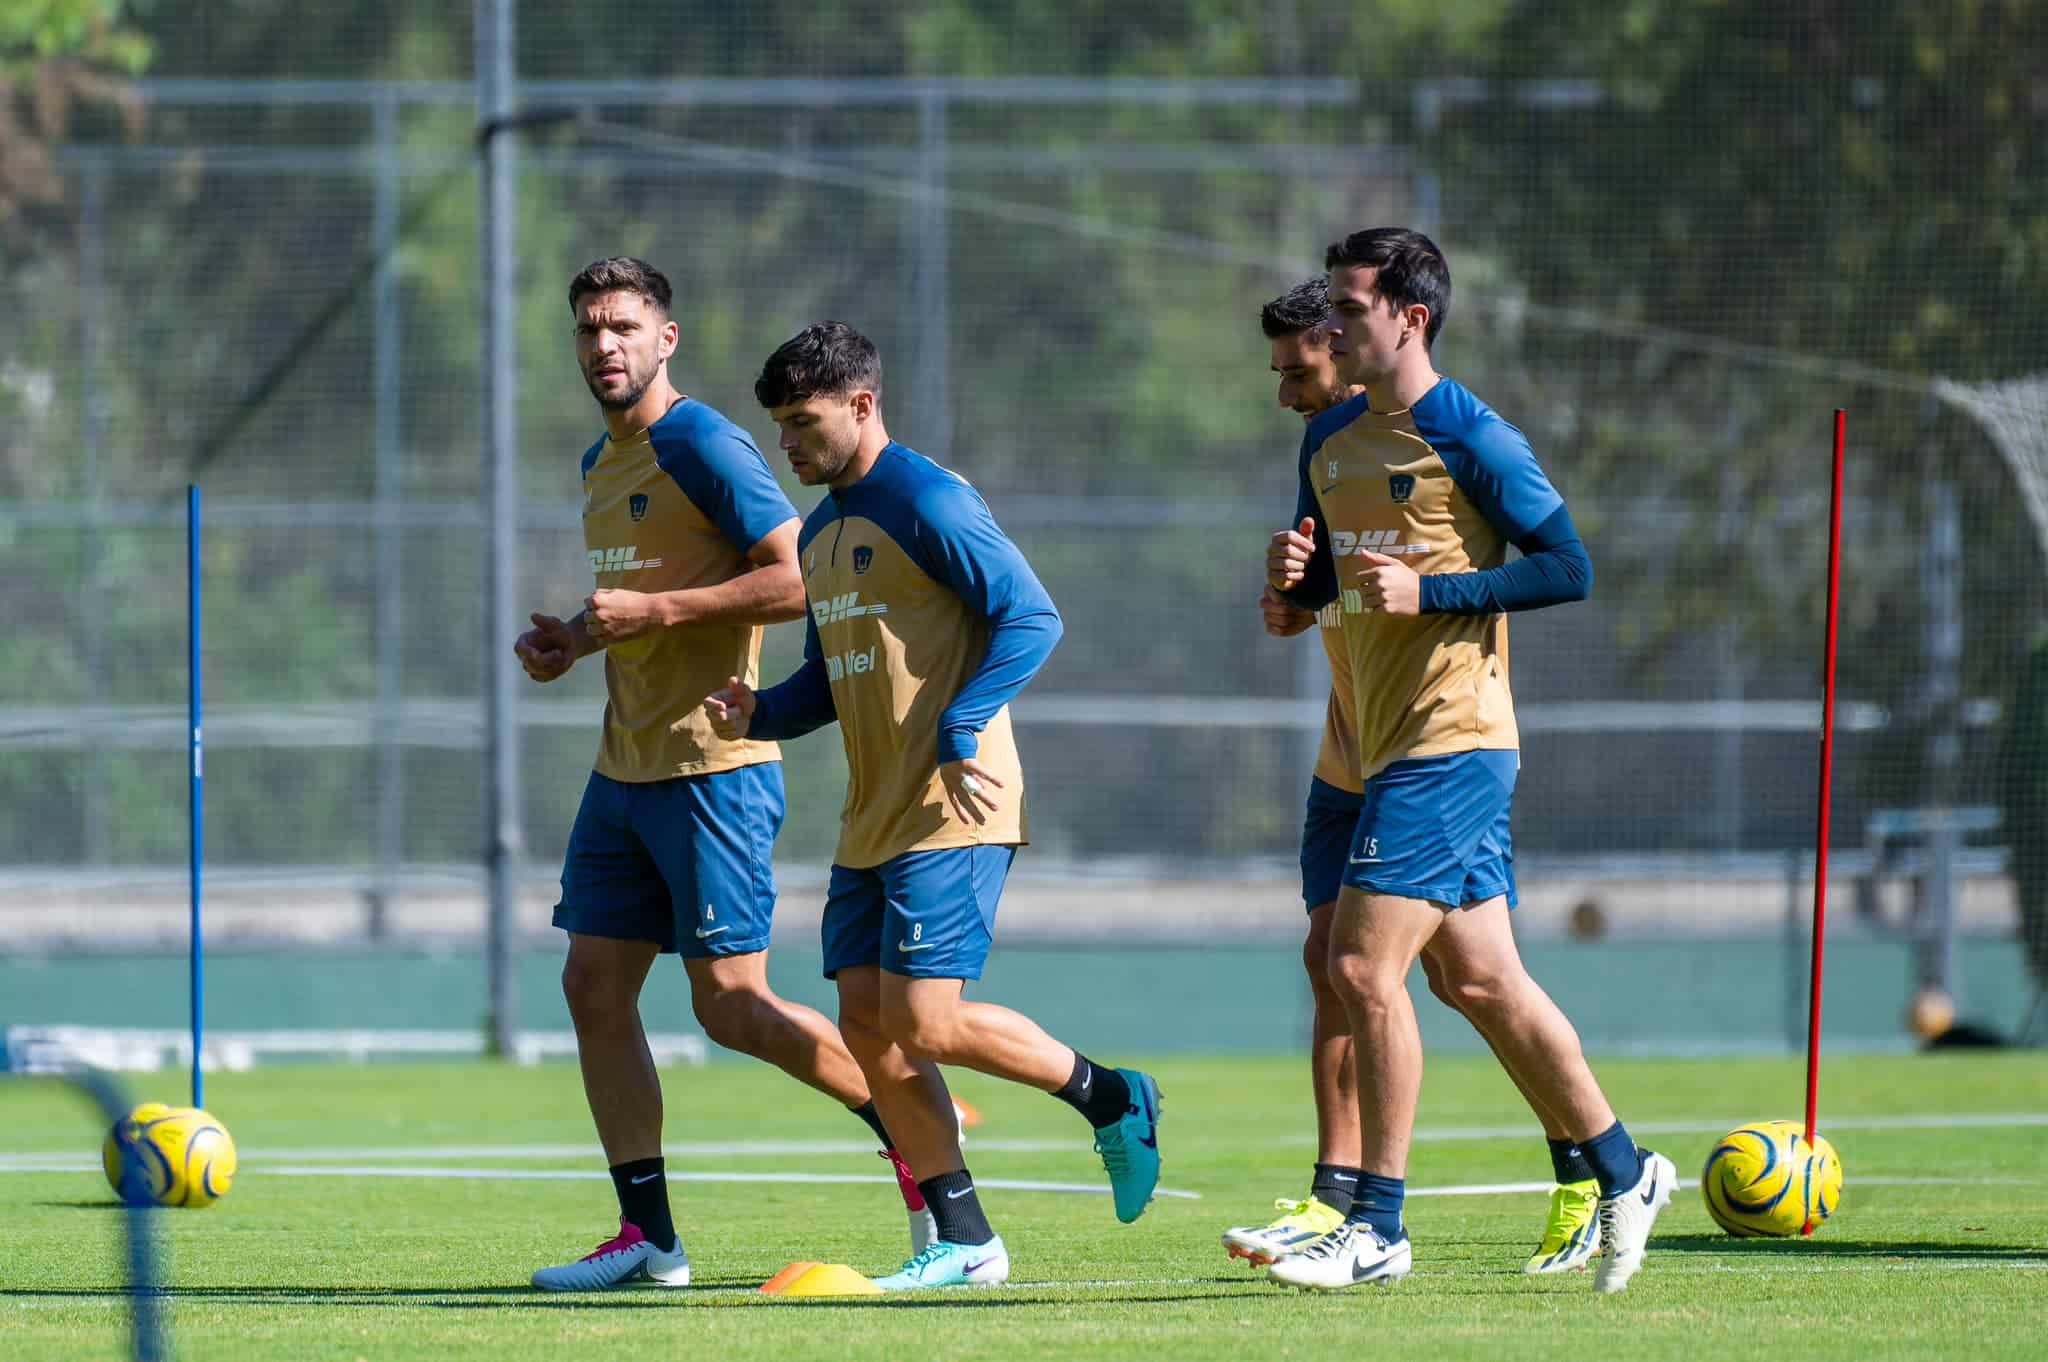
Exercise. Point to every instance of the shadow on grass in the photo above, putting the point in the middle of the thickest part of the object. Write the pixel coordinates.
(730, 1293)
(1729, 1246)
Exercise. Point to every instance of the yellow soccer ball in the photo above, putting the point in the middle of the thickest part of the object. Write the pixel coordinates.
(1765, 1179)
(169, 1156)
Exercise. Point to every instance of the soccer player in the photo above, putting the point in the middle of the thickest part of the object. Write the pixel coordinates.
(693, 546)
(1299, 351)
(925, 622)
(1410, 495)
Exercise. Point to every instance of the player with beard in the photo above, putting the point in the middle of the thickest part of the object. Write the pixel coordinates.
(693, 546)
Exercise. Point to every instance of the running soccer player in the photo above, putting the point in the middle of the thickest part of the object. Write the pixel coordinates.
(1410, 495)
(693, 546)
(925, 622)
(1299, 349)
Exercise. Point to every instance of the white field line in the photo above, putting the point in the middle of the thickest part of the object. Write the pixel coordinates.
(71, 1163)
(1920, 1121)
(714, 1149)
(782, 1148)
(725, 1149)
(77, 1165)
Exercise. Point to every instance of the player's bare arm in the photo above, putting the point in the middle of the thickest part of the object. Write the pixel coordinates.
(1287, 556)
(1283, 618)
(769, 591)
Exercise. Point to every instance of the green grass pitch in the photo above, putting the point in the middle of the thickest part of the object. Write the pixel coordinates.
(1940, 1247)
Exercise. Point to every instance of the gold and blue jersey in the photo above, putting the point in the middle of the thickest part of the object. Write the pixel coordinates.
(1337, 759)
(676, 506)
(1446, 486)
(925, 622)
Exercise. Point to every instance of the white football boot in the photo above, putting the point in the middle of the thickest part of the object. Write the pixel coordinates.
(1625, 1221)
(1350, 1255)
(631, 1256)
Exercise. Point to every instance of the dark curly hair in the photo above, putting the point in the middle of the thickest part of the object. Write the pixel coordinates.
(1302, 308)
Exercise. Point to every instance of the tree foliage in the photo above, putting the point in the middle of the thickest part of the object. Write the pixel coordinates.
(1683, 232)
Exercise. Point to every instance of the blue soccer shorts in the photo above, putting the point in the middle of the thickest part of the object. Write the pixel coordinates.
(926, 914)
(684, 863)
(1326, 841)
(1436, 828)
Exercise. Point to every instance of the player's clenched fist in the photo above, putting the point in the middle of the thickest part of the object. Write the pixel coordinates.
(1283, 618)
(547, 650)
(1288, 554)
(731, 708)
(614, 616)
(1388, 585)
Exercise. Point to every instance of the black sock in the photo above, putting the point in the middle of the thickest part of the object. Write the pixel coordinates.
(643, 1200)
(1101, 1095)
(868, 1113)
(956, 1208)
(1335, 1186)
(1568, 1163)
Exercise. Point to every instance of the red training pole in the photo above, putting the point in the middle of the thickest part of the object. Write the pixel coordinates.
(1827, 767)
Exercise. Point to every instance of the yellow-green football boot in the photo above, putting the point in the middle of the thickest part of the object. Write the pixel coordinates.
(1570, 1237)
(1301, 1223)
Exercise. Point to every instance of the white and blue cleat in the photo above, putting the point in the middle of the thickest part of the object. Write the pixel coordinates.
(629, 1256)
(1350, 1255)
(944, 1264)
(1130, 1148)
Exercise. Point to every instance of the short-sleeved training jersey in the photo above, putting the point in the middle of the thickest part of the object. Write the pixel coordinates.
(676, 506)
(925, 620)
(1337, 761)
(1445, 486)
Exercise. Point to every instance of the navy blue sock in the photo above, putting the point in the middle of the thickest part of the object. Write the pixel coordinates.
(1335, 1185)
(1377, 1203)
(1568, 1163)
(1615, 1160)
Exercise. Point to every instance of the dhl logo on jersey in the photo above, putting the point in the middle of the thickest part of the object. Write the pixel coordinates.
(625, 559)
(1343, 543)
(834, 609)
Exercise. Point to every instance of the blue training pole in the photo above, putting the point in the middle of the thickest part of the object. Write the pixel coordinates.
(197, 801)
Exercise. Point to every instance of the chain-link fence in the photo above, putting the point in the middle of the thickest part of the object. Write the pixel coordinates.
(254, 265)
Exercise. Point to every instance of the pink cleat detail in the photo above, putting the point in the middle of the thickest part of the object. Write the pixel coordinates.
(628, 1235)
(924, 1227)
(906, 1181)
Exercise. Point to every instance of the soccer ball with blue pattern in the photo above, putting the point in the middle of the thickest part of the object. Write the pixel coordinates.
(1765, 1179)
(169, 1156)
